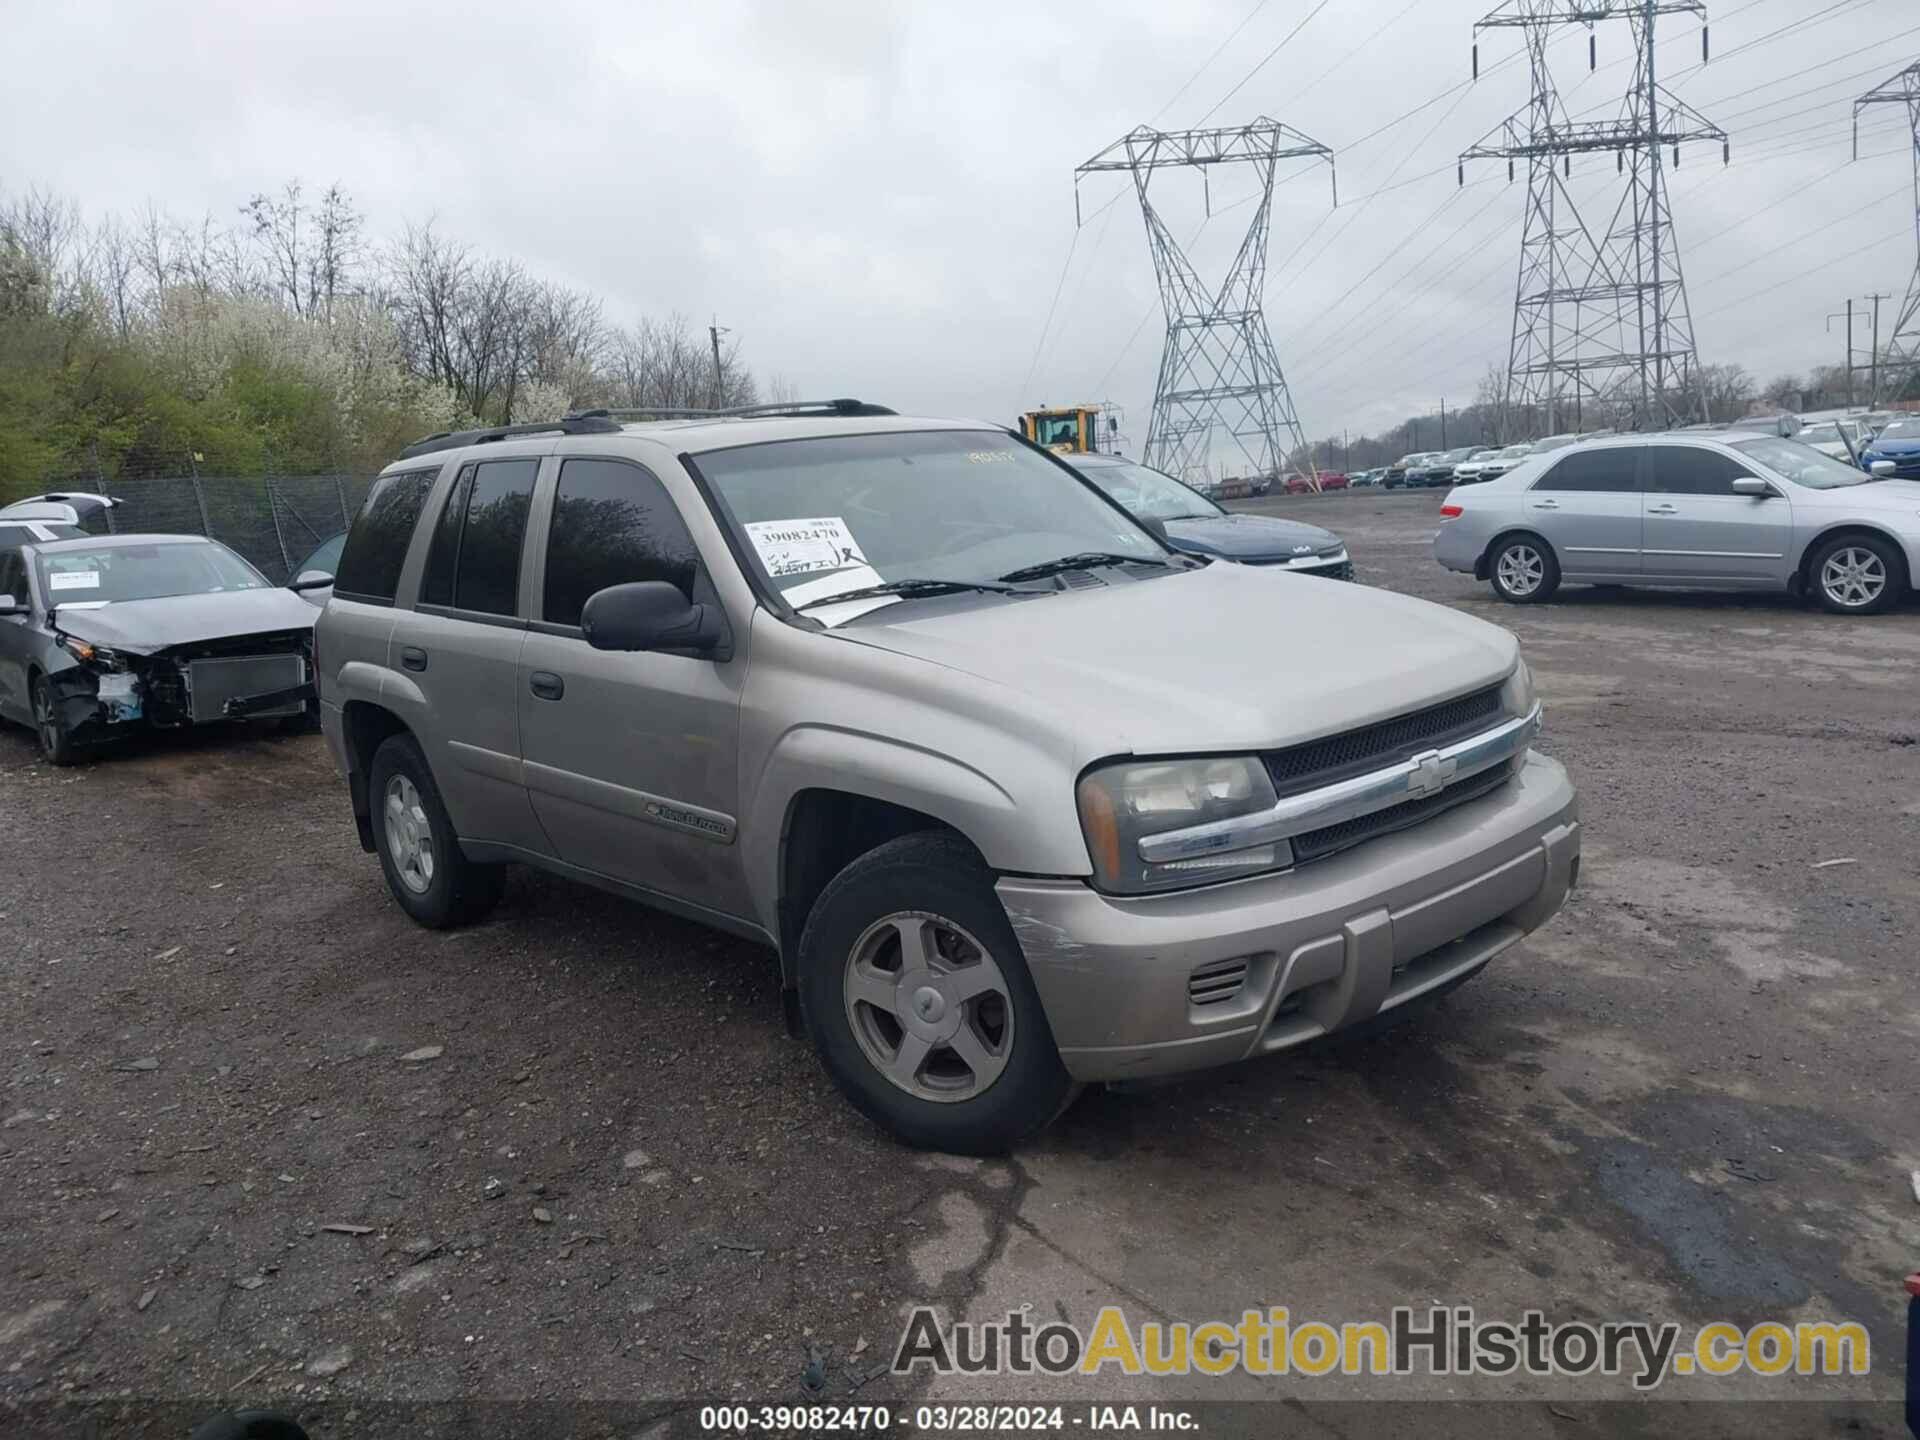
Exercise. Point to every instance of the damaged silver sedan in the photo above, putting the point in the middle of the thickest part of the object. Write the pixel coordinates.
(102, 636)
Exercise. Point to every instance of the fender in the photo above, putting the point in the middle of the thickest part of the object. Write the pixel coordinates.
(824, 757)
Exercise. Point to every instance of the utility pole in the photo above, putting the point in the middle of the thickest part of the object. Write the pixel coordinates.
(714, 332)
(1903, 347)
(1443, 422)
(1219, 370)
(1600, 311)
(1875, 363)
(1830, 319)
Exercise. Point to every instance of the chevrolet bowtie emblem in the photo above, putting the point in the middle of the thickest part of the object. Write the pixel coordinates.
(1431, 774)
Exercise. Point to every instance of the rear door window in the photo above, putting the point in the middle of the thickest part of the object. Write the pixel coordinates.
(1690, 470)
(613, 524)
(377, 545)
(13, 578)
(1614, 469)
(473, 563)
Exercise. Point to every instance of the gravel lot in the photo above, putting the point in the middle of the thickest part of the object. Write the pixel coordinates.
(264, 1139)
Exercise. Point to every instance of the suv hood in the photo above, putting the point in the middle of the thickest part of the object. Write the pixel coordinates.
(142, 627)
(1239, 536)
(1220, 659)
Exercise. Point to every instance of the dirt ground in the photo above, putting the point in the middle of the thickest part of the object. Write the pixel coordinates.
(263, 1140)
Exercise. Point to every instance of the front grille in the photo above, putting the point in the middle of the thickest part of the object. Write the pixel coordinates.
(1318, 844)
(214, 682)
(1217, 982)
(1374, 747)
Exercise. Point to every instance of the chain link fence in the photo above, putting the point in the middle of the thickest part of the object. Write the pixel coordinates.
(275, 521)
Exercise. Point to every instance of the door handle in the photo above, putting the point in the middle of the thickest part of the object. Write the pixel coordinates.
(412, 657)
(1546, 504)
(1662, 510)
(546, 685)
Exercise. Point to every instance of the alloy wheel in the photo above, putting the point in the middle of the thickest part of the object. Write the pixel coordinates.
(1521, 569)
(409, 834)
(1853, 577)
(929, 1006)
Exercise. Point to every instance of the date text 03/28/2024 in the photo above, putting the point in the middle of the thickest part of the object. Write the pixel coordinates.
(957, 1419)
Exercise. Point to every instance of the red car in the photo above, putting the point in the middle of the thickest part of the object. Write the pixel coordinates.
(1297, 484)
(1332, 480)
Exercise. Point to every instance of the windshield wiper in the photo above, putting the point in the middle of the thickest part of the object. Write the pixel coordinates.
(1083, 561)
(912, 587)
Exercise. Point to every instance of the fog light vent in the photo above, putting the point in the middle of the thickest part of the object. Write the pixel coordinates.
(1217, 982)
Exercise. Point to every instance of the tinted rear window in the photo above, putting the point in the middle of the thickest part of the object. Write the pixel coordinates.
(1615, 468)
(377, 545)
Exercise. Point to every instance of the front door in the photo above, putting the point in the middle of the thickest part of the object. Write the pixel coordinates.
(1587, 505)
(16, 633)
(1698, 530)
(631, 759)
(460, 645)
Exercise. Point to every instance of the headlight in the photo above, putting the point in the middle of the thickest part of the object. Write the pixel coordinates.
(1516, 694)
(1123, 805)
(97, 656)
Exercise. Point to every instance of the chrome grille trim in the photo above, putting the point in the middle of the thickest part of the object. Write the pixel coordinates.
(1419, 777)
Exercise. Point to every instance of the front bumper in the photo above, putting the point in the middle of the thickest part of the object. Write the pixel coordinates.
(1138, 987)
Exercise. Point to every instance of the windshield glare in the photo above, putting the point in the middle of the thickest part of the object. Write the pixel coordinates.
(1901, 430)
(840, 513)
(1148, 494)
(115, 573)
(1800, 463)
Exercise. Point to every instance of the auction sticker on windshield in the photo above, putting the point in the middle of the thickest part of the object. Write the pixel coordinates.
(796, 547)
(74, 579)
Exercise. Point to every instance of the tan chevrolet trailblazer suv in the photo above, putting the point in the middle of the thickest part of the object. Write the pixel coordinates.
(1020, 797)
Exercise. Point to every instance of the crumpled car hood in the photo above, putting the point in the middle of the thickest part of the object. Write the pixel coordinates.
(1240, 536)
(142, 627)
(1228, 657)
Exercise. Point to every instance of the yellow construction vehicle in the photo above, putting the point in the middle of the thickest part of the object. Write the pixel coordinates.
(1072, 429)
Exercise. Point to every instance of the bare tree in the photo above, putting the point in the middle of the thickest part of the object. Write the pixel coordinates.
(336, 250)
(276, 231)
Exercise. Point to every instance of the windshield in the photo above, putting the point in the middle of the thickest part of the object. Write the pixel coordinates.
(1901, 430)
(1149, 495)
(1801, 464)
(143, 572)
(844, 512)
(1826, 433)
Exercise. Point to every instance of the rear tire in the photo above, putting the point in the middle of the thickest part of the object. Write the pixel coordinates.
(1523, 570)
(420, 855)
(920, 1003)
(1857, 575)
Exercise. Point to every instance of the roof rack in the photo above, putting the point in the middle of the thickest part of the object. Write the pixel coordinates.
(591, 423)
(835, 408)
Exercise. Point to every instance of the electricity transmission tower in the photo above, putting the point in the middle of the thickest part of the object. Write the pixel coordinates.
(1901, 358)
(1601, 329)
(1218, 370)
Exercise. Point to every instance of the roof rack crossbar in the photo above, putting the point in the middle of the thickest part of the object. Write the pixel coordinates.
(587, 424)
(840, 407)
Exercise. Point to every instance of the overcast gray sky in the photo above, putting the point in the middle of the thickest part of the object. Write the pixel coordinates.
(878, 197)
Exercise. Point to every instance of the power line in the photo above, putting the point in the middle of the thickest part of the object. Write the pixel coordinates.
(1209, 61)
(1263, 61)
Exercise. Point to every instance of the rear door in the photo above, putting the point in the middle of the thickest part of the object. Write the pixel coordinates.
(1697, 529)
(631, 759)
(461, 643)
(1587, 505)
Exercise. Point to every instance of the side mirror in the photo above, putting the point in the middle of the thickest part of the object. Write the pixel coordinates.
(1882, 467)
(650, 615)
(1748, 485)
(12, 605)
(310, 580)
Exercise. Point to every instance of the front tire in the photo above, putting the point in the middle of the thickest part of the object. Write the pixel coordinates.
(56, 741)
(1857, 575)
(920, 1003)
(1523, 570)
(420, 855)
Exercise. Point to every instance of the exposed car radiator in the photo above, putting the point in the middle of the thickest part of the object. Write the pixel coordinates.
(214, 682)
